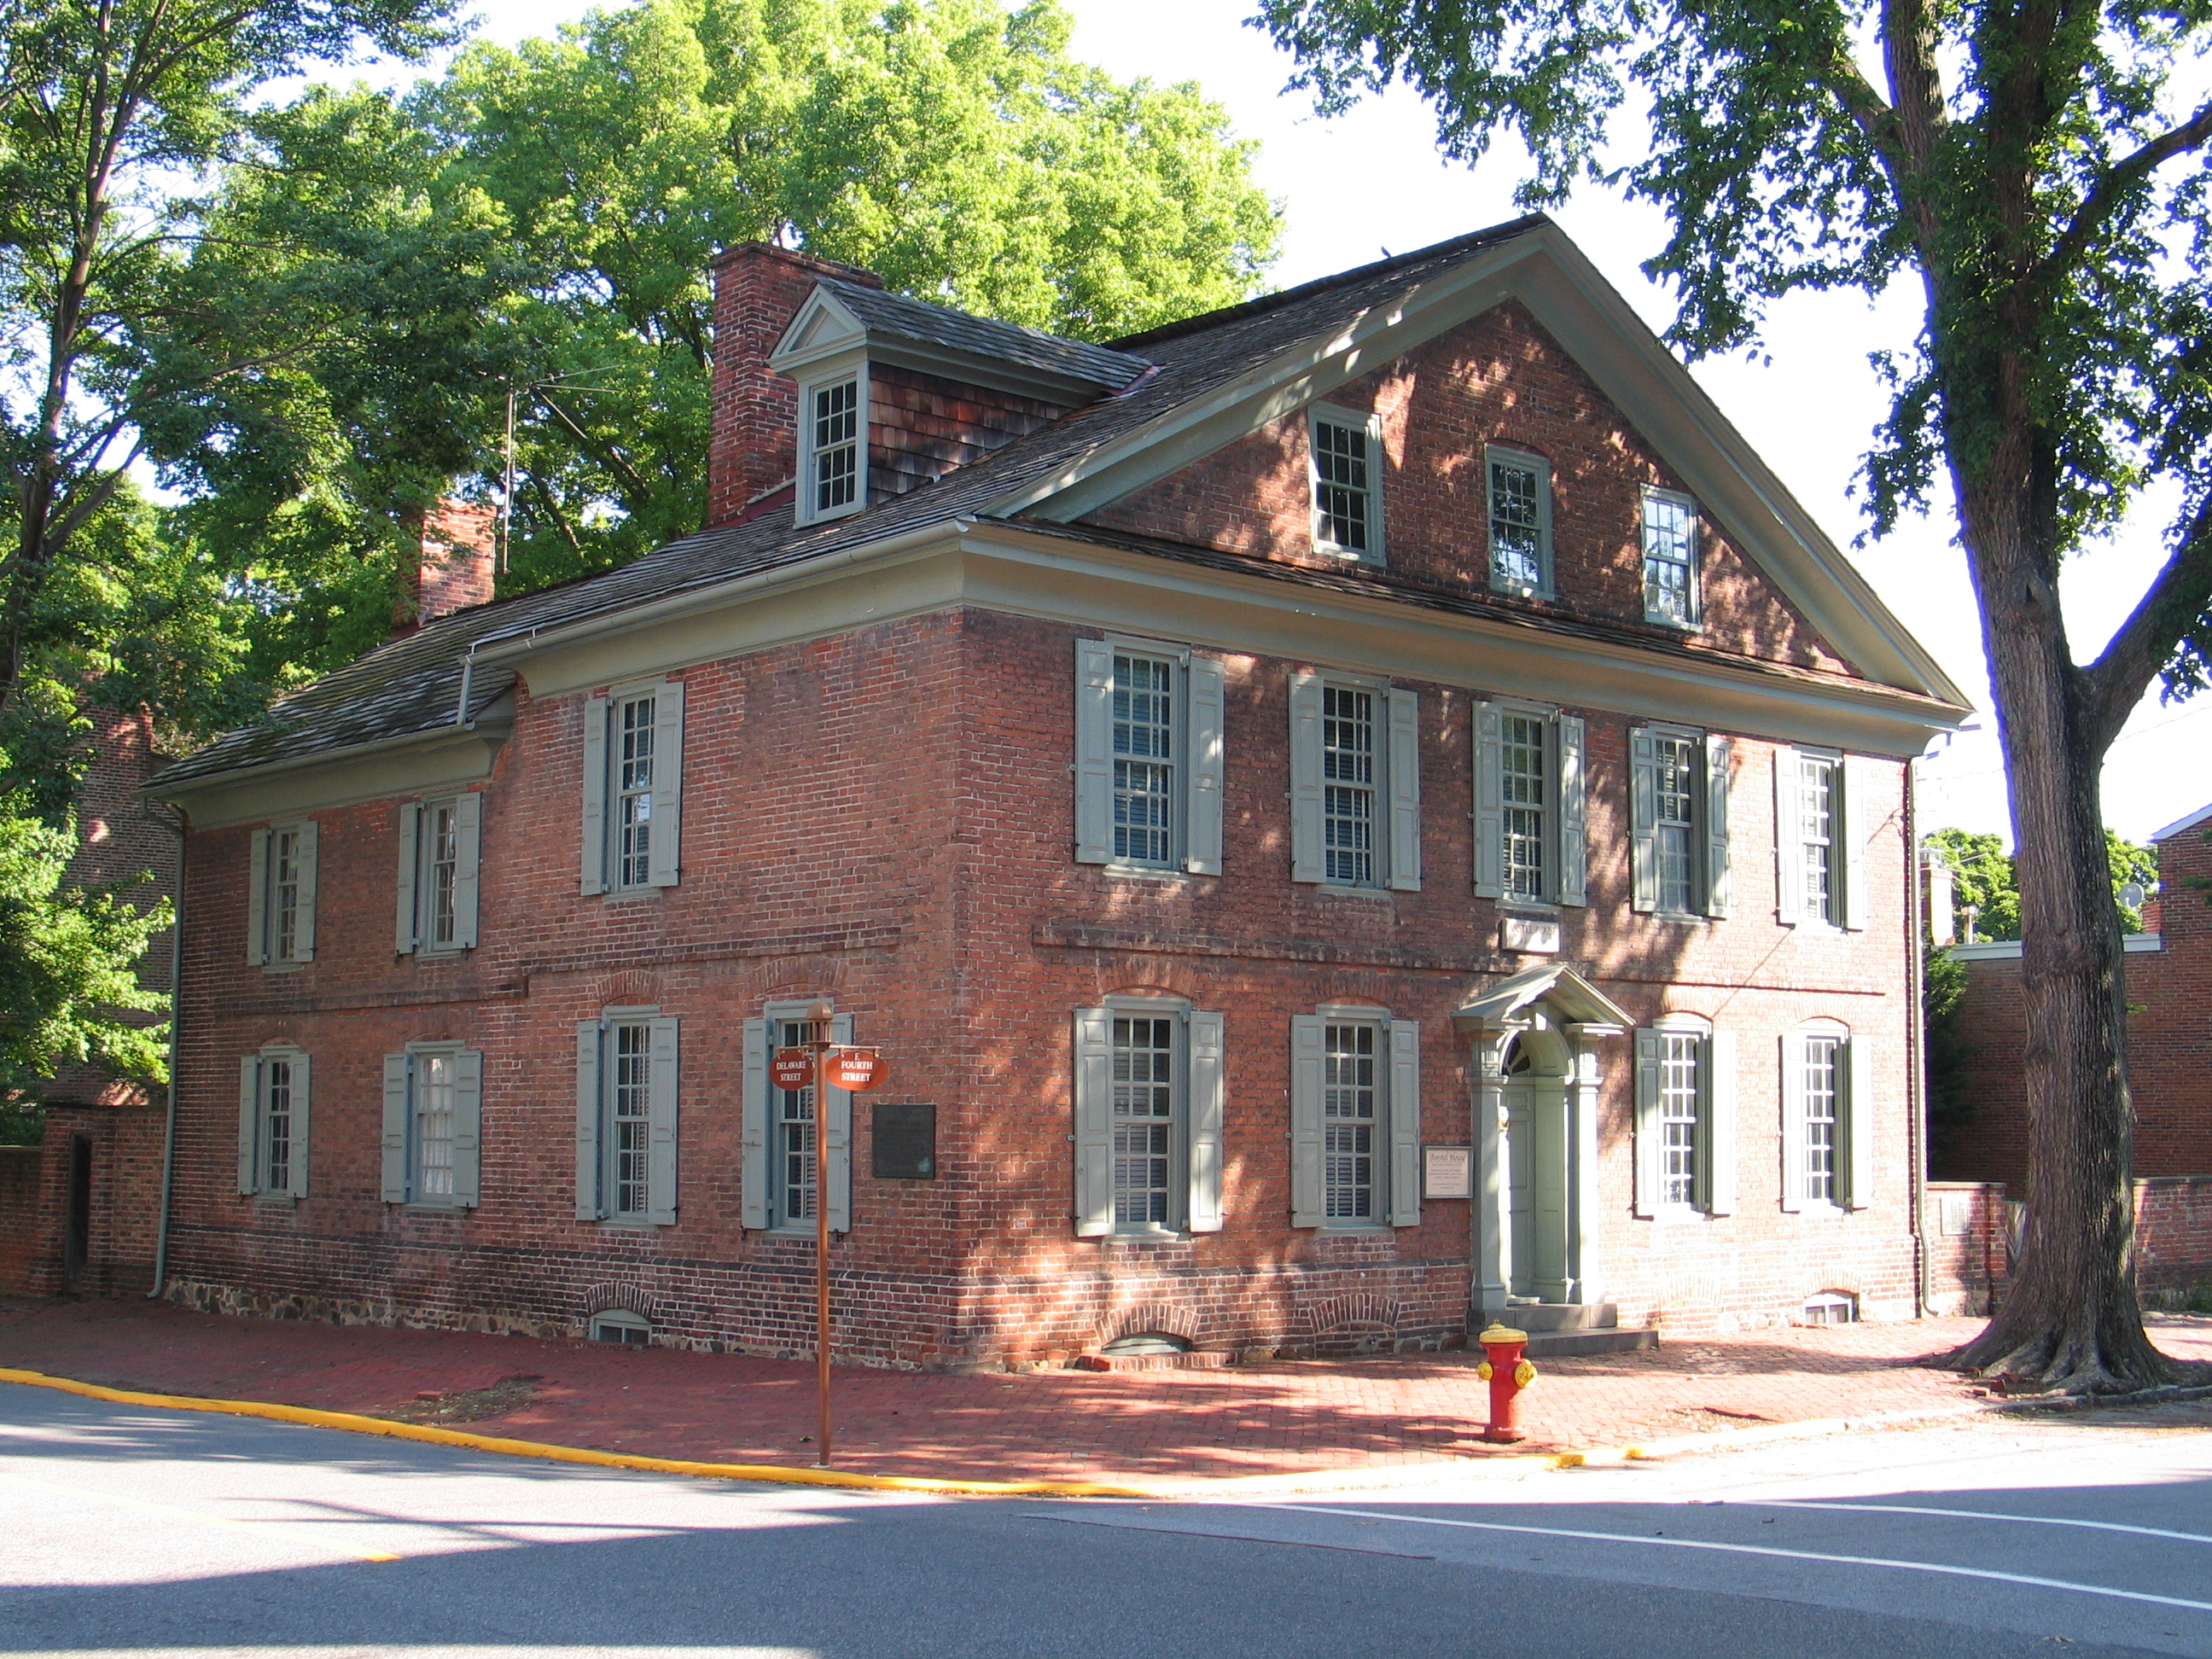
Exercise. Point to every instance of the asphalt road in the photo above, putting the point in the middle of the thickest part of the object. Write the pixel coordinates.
(132, 1532)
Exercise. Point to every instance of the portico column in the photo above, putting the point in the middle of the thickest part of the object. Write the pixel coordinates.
(1492, 1231)
(1583, 1205)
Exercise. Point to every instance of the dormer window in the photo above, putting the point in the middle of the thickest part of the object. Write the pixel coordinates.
(1347, 484)
(833, 471)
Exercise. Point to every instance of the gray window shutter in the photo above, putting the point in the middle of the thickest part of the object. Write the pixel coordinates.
(752, 1130)
(590, 1036)
(1858, 1159)
(1643, 819)
(1094, 753)
(1789, 850)
(305, 948)
(1719, 753)
(1207, 1108)
(1307, 1047)
(1405, 781)
(1306, 861)
(1793, 1122)
(665, 856)
(1574, 838)
(249, 1124)
(395, 1128)
(403, 926)
(1489, 804)
(1720, 1124)
(1208, 715)
(836, 1129)
(1094, 1123)
(468, 1127)
(468, 835)
(660, 1194)
(1855, 820)
(594, 842)
(1404, 1123)
(257, 900)
(1650, 1053)
(302, 1129)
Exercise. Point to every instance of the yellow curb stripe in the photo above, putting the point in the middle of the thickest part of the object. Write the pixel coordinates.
(275, 1529)
(774, 1473)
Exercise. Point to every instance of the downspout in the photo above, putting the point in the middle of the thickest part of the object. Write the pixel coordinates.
(176, 1022)
(1916, 1048)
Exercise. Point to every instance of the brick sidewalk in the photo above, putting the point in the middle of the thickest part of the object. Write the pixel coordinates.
(1275, 1417)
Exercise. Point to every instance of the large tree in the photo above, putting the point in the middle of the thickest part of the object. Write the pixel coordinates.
(2036, 168)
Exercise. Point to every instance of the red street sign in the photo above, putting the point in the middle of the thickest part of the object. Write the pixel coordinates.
(855, 1070)
(791, 1068)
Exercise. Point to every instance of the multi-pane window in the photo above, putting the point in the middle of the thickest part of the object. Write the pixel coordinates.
(1350, 1120)
(1526, 795)
(833, 455)
(1144, 1056)
(1678, 772)
(629, 1146)
(433, 1125)
(795, 1152)
(1519, 561)
(276, 1125)
(434, 1128)
(1817, 776)
(1681, 1090)
(1822, 1100)
(1144, 761)
(1670, 550)
(272, 1123)
(285, 865)
(1347, 762)
(441, 866)
(1345, 518)
(633, 818)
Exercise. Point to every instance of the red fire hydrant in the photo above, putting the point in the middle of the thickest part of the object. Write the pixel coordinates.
(1507, 1373)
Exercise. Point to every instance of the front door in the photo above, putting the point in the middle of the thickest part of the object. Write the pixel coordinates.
(1536, 1189)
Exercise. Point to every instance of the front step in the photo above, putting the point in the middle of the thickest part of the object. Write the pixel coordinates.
(1576, 1345)
(1532, 1317)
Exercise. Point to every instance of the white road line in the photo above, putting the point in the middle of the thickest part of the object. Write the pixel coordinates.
(1969, 1514)
(1753, 1549)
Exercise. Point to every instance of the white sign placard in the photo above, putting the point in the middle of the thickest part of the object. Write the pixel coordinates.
(1448, 1172)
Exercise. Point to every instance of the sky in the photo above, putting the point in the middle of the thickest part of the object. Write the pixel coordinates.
(1372, 181)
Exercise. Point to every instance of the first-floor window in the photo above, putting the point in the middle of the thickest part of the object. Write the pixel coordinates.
(1149, 1093)
(1681, 1101)
(626, 1117)
(1355, 1119)
(432, 1110)
(797, 1160)
(272, 1123)
(1827, 1139)
(1350, 1094)
(1685, 1117)
(1144, 1122)
(434, 1128)
(797, 1148)
(1823, 1096)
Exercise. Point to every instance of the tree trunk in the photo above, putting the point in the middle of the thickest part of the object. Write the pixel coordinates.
(2071, 1319)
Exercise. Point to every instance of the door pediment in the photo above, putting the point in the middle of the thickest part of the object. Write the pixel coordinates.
(1565, 997)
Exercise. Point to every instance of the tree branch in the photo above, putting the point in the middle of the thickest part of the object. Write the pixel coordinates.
(2119, 180)
(2181, 594)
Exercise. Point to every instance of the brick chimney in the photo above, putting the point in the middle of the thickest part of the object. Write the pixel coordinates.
(758, 288)
(457, 541)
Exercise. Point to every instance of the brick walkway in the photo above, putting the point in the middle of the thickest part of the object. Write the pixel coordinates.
(1276, 1416)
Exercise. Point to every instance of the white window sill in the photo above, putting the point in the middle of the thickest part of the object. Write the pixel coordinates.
(418, 1206)
(276, 1200)
(1352, 889)
(1518, 591)
(1673, 626)
(284, 967)
(614, 893)
(1821, 1210)
(1146, 872)
(1355, 1229)
(1686, 918)
(1150, 1235)
(1534, 909)
(1680, 1215)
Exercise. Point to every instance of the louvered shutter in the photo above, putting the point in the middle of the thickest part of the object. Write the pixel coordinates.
(1574, 835)
(1720, 1124)
(304, 947)
(468, 858)
(1208, 714)
(1094, 753)
(1094, 1123)
(1404, 1123)
(836, 1131)
(1307, 863)
(1650, 1054)
(1307, 1047)
(660, 1194)
(249, 1125)
(1489, 804)
(752, 1130)
(594, 839)
(1405, 781)
(257, 898)
(1858, 1126)
(1793, 1122)
(590, 1040)
(402, 923)
(1643, 819)
(1789, 841)
(1719, 755)
(468, 1128)
(1208, 1087)
(303, 1140)
(665, 855)
(1855, 819)
(395, 1129)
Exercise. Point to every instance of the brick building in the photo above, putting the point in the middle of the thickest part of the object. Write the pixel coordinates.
(1361, 810)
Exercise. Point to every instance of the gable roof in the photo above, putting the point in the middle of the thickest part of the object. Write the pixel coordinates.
(2189, 821)
(1196, 385)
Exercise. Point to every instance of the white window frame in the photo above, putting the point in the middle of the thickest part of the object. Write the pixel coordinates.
(414, 923)
(807, 478)
(1708, 822)
(1195, 1139)
(1565, 806)
(1395, 787)
(1197, 757)
(760, 1186)
(1396, 1142)
(404, 1080)
(263, 925)
(1852, 1145)
(1505, 455)
(256, 1178)
(1713, 1174)
(1370, 426)
(600, 836)
(1692, 580)
(1849, 790)
(600, 1150)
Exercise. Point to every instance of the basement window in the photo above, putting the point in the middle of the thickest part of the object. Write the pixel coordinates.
(1146, 1342)
(620, 1325)
(1831, 1308)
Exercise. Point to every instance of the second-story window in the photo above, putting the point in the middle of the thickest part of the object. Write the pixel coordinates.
(1526, 769)
(1821, 807)
(1529, 838)
(1670, 558)
(632, 787)
(439, 853)
(1355, 782)
(634, 793)
(281, 896)
(1148, 756)
(833, 468)
(1145, 750)
(1679, 820)
(1347, 770)
(1348, 495)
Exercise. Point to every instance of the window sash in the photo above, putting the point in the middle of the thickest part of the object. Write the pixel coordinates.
(1146, 751)
(1670, 555)
(634, 761)
(1820, 1114)
(1343, 486)
(1517, 526)
(1677, 797)
(278, 1120)
(1817, 777)
(628, 1106)
(1348, 786)
(441, 856)
(1682, 1078)
(283, 895)
(1524, 769)
(1354, 1134)
(794, 1154)
(1147, 1113)
(833, 459)
(434, 1128)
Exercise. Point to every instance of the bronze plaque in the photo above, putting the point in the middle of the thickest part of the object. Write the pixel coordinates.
(905, 1140)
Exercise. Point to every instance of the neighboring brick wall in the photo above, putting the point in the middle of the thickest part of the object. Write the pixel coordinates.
(1967, 1231)
(23, 1243)
(1991, 1145)
(2173, 1232)
(125, 1147)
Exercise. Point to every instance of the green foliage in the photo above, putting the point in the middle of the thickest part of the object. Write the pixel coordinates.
(1982, 875)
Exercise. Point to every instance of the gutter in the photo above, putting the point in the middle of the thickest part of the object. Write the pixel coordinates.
(176, 1027)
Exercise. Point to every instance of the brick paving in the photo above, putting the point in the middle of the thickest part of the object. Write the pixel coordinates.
(1276, 1417)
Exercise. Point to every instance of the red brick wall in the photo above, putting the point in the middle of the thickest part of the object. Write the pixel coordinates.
(125, 1145)
(1993, 1144)
(2173, 1232)
(22, 1241)
(1967, 1230)
(1499, 378)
